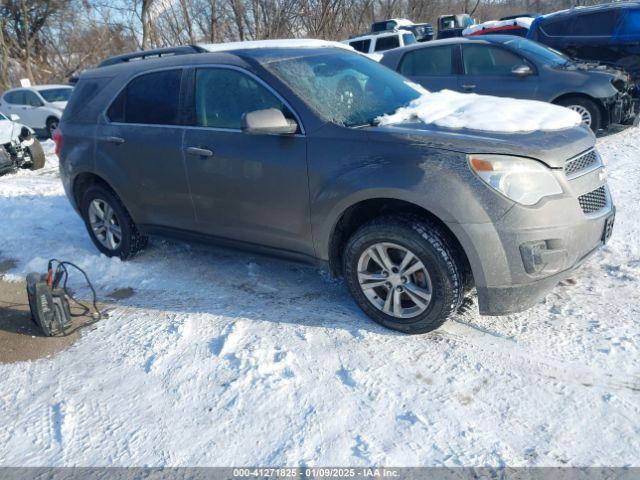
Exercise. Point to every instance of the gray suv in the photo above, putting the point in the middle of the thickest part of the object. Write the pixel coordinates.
(264, 147)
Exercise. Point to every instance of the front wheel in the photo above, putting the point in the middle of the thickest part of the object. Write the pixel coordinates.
(587, 109)
(402, 273)
(37, 155)
(109, 224)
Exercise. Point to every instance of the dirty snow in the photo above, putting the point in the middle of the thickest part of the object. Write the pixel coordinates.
(279, 43)
(223, 358)
(447, 108)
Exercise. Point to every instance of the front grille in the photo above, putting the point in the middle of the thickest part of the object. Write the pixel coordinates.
(582, 163)
(593, 201)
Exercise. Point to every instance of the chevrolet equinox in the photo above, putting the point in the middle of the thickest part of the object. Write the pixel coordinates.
(263, 146)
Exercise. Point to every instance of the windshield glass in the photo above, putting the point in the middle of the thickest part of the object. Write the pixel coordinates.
(541, 52)
(344, 88)
(56, 94)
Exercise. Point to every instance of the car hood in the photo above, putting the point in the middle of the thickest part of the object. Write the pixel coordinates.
(617, 73)
(553, 148)
(59, 105)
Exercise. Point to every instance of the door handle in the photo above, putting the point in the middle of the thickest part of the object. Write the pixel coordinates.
(116, 140)
(200, 152)
(468, 87)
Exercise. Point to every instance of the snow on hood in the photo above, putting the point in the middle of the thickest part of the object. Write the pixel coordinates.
(281, 43)
(6, 130)
(524, 22)
(482, 112)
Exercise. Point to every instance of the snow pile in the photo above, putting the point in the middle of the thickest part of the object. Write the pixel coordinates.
(482, 112)
(523, 22)
(280, 43)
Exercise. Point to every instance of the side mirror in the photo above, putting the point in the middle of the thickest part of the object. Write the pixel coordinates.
(522, 70)
(269, 121)
(14, 117)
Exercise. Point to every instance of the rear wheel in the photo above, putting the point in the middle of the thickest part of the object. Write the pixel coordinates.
(402, 272)
(586, 108)
(37, 155)
(52, 124)
(109, 224)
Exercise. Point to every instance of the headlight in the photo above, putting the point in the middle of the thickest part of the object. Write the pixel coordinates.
(520, 179)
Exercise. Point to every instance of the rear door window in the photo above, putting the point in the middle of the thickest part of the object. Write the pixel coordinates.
(597, 24)
(32, 99)
(428, 61)
(387, 43)
(489, 60)
(152, 98)
(361, 45)
(223, 95)
(557, 28)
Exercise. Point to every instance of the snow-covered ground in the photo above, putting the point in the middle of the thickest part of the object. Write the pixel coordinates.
(224, 358)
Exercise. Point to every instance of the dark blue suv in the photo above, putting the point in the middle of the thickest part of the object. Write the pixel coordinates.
(607, 34)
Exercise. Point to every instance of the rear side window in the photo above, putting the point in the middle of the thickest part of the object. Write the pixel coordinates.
(224, 95)
(152, 98)
(599, 24)
(387, 43)
(361, 45)
(486, 60)
(428, 61)
(15, 98)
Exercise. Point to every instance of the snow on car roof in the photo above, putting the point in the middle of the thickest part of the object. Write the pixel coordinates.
(524, 22)
(483, 112)
(280, 43)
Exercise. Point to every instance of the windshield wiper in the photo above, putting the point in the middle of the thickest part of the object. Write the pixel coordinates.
(374, 122)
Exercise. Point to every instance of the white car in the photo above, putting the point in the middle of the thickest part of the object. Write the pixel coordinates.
(39, 107)
(373, 43)
(18, 146)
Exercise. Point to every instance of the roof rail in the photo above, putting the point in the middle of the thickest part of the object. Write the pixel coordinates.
(156, 53)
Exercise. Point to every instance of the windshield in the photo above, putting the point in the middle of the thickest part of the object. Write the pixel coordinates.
(344, 88)
(539, 51)
(56, 94)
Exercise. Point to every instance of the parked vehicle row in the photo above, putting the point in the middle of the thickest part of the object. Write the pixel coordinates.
(39, 107)
(510, 66)
(253, 145)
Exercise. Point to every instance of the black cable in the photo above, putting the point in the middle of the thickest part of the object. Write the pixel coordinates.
(62, 274)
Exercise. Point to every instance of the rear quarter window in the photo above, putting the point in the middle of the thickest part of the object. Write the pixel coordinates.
(81, 106)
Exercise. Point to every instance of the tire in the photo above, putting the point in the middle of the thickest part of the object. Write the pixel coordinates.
(37, 155)
(129, 239)
(52, 124)
(441, 274)
(587, 108)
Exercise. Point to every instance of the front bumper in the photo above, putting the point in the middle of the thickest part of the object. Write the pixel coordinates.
(621, 109)
(519, 258)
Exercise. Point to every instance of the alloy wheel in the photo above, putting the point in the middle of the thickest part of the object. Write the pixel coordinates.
(394, 280)
(583, 112)
(104, 224)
